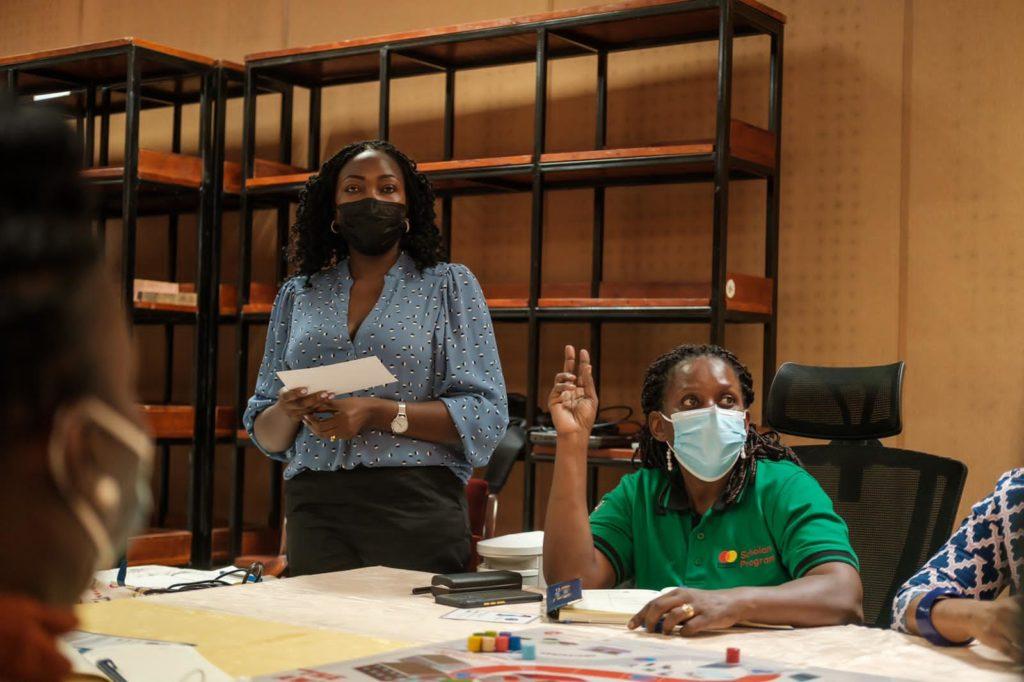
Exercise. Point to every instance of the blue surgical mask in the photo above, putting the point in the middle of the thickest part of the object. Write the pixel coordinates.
(708, 441)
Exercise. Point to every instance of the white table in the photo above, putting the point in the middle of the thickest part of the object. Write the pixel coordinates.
(377, 602)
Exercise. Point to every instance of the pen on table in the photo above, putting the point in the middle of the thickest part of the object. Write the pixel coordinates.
(108, 668)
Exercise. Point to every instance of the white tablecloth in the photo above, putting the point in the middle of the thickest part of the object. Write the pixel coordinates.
(377, 602)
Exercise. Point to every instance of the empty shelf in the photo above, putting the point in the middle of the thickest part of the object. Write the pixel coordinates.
(60, 76)
(752, 156)
(573, 32)
(173, 547)
(177, 422)
(743, 293)
(621, 456)
(159, 168)
(282, 173)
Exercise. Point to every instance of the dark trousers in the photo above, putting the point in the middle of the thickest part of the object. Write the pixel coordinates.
(401, 517)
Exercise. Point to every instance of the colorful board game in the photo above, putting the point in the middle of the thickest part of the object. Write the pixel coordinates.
(560, 655)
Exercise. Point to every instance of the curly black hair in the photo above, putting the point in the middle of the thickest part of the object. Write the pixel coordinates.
(315, 247)
(654, 454)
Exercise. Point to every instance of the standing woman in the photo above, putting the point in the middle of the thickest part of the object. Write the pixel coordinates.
(377, 477)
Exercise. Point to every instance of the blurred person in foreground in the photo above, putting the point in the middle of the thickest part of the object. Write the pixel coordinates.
(77, 460)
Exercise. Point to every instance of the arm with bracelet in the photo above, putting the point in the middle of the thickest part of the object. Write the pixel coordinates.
(953, 600)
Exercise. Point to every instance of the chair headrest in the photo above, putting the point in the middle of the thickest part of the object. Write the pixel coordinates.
(836, 403)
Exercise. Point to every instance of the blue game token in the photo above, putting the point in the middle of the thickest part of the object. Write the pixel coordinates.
(529, 651)
(515, 643)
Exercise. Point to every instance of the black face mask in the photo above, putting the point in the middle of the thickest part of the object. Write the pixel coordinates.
(371, 226)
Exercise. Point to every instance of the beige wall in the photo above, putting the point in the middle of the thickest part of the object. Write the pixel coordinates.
(901, 216)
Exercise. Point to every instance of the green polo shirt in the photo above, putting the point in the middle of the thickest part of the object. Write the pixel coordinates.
(780, 527)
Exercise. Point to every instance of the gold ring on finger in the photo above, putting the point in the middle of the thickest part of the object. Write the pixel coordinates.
(687, 610)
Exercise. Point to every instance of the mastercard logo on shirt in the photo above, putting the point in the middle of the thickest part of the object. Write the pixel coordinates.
(727, 557)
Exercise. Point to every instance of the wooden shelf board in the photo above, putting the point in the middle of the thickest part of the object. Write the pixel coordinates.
(176, 422)
(227, 297)
(750, 295)
(85, 50)
(595, 454)
(505, 41)
(173, 547)
(162, 168)
(749, 144)
(105, 64)
(263, 169)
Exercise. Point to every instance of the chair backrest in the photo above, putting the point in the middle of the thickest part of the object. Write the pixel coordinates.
(900, 506)
(836, 403)
(508, 451)
(476, 504)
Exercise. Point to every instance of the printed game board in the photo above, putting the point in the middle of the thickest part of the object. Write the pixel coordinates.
(564, 656)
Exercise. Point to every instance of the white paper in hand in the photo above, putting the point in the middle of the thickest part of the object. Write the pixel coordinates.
(339, 378)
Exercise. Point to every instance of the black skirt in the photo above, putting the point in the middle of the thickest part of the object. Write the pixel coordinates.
(402, 517)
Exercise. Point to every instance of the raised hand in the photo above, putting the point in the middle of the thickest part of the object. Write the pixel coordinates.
(573, 399)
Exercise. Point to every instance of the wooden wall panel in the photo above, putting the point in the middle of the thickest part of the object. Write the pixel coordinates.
(33, 25)
(226, 29)
(964, 395)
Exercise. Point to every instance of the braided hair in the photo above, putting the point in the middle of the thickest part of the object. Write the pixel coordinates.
(654, 454)
(315, 247)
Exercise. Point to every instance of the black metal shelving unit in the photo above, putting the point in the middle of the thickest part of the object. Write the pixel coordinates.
(89, 84)
(753, 154)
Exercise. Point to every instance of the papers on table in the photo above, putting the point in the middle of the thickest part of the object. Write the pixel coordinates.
(491, 615)
(123, 659)
(162, 577)
(339, 378)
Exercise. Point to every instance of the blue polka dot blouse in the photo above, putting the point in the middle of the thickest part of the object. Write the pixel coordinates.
(431, 328)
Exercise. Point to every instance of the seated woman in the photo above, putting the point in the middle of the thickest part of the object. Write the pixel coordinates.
(719, 511)
(75, 458)
(952, 599)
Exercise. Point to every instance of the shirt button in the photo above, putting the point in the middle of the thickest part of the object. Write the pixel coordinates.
(700, 536)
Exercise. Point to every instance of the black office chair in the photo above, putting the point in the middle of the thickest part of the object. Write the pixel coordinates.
(900, 505)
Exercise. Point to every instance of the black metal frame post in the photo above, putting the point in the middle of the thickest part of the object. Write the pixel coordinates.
(211, 133)
(597, 244)
(723, 119)
(284, 154)
(313, 147)
(172, 275)
(449, 154)
(383, 128)
(281, 270)
(536, 257)
(104, 154)
(773, 196)
(237, 519)
(88, 149)
(130, 192)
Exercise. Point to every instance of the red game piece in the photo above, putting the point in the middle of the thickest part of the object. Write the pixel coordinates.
(732, 655)
(501, 644)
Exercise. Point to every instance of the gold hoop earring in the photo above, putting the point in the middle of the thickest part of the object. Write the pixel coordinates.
(334, 227)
